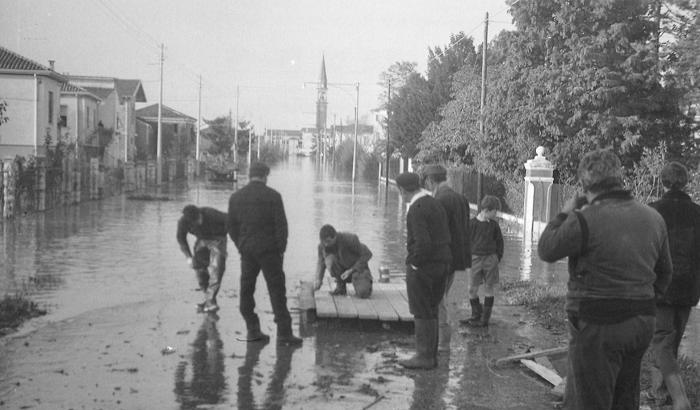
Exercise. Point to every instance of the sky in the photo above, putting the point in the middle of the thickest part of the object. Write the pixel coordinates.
(270, 51)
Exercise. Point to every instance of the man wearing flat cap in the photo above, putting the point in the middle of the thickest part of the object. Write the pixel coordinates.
(427, 264)
(619, 265)
(257, 224)
(457, 209)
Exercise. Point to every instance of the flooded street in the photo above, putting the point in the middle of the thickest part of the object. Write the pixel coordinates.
(122, 330)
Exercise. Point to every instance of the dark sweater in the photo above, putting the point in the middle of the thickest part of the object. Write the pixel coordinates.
(427, 236)
(457, 210)
(213, 225)
(619, 259)
(486, 238)
(257, 222)
(682, 218)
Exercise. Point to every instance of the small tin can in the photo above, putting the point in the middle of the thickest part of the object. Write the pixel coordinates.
(384, 274)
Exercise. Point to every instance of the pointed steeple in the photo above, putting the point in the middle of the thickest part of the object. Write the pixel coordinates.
(323, 80)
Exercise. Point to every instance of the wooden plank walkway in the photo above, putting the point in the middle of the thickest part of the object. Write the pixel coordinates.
(388, 302)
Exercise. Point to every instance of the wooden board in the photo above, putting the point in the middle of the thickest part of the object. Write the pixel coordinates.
(387, 303)
(399, 304)
(547, 374)
(365, 310)
(548, 352)
(325, 305)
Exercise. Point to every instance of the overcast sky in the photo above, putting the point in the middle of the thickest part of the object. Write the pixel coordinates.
(268, 48)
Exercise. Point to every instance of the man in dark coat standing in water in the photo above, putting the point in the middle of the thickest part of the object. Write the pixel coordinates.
(257, 224)
(427, 264)
(457, 209)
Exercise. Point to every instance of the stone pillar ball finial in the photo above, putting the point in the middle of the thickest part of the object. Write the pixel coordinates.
(540, 151)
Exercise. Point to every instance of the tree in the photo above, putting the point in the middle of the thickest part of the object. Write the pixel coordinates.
(411, 112)
(220, 132)
(398, 74)
(575, 75)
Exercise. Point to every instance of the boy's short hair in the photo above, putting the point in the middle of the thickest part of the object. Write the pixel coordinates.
(327, 231)
(674, 175)
(190, 213)
(490, 203)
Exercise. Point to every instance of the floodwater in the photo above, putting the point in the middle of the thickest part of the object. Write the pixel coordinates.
(122, 331)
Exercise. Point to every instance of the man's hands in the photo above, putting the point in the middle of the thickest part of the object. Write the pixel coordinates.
(347, 274)
(189, 262)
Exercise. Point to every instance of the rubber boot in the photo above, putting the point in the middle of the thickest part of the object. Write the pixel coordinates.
(285, 336)
(256, 335)
(340, 288)
(476, 312)
(426, 342)
(444, 337)
(676, 389)
(486, 314)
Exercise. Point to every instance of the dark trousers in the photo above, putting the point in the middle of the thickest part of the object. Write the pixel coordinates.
(425, 288)
(604, 363)
(271, 265)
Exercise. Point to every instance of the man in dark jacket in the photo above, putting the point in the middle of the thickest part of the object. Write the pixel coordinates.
(208, 256)
(457, 209)
(257, 224)
(346, 259)
(427, 265)
(682, 218)
(619, 263)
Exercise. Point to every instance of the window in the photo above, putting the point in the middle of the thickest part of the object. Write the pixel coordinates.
(50, 107)
(64, 116)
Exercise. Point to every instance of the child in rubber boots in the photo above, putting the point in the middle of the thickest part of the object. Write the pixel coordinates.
(487, 251)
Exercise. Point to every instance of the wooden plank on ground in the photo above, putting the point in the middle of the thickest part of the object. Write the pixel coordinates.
(399, 304)
(325, 306)
(382, 306)
(365, 309)
(545, 373)
(345, 306)
(547, 352)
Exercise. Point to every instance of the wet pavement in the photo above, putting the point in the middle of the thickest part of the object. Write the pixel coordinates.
(122, 329)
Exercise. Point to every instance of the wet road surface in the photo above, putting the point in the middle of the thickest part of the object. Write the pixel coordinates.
(122, 330)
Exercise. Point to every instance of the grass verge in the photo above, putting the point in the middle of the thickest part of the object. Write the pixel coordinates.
(14, 310)
(547, 303)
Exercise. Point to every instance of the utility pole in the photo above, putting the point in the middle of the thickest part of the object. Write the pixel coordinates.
(126, 131)
(199, 123)
(388, 127)
(354, 145)
(250, 132)
(482, 125)
(159, 165)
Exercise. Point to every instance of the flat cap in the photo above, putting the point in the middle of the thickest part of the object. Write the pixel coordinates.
(258, 169)
(409, 181)
(434, 169)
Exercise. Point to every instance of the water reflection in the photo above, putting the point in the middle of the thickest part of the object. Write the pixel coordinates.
(249, 375)
(202, 381)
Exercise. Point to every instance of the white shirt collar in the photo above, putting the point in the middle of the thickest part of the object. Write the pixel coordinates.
(418, 195)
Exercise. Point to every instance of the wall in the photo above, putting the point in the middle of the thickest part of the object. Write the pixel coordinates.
(23, 131)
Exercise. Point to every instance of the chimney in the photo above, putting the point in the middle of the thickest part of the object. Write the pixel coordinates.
(51, 62)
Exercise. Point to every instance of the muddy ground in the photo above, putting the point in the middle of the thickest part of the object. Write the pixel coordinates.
(163, 354)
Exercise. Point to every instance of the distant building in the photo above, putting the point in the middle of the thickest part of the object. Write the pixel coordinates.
(288, 139)
(177, 136)
(115, 113)
(78, 116)
(322, 100)
(32, 93)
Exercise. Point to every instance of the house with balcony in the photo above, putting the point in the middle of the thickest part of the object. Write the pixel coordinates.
(32, 93)
(116, 117)
(78, 117)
